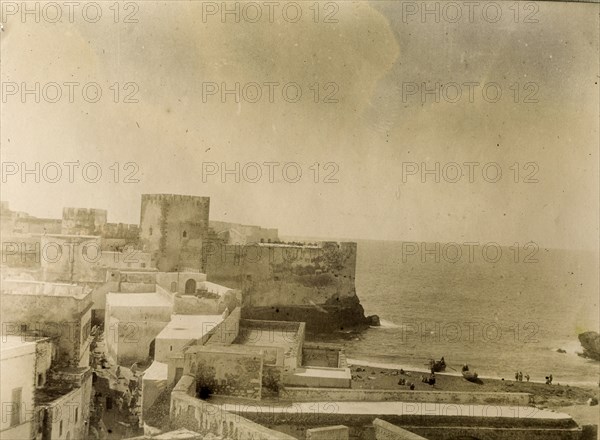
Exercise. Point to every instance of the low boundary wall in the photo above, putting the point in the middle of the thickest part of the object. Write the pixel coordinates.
(197, 415)
(387, 431)
(301, 394)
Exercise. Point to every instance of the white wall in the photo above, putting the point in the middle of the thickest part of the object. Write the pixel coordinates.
(18, 371)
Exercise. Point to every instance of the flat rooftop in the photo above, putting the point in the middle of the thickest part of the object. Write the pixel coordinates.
(180, 434)
(378, 409)
(28, 287)
(256, 336)
(11, 342)
(157, 371)
(264, 334)
(80, 237)
(189, 326)
(151, 299)
(231, 349)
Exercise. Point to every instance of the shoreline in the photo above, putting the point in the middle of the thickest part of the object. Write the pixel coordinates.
(572, 400)
(421, 369)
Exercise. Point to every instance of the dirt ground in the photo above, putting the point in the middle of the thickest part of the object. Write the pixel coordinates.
(545, 396)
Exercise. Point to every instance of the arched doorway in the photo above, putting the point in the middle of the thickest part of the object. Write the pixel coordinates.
(190, 286)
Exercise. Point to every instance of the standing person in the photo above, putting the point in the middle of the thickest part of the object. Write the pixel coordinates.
(550, 378)
(520, 376)
(516, 375)
(527, 377)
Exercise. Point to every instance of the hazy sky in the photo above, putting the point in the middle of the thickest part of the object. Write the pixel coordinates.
(374, 61)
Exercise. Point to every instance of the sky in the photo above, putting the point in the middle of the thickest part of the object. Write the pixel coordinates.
(364, 119)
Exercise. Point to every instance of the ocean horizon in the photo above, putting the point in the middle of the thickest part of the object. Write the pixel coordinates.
(501, 312)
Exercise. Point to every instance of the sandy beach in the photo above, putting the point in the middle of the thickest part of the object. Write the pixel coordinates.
(572, 400)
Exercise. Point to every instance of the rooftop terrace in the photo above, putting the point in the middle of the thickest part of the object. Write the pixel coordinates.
(152, 299)
(189, 326)
(27, 287)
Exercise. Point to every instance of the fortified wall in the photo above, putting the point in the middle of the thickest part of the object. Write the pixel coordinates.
(235, 233)
(289, 282)
(86, 221)
(83, 221)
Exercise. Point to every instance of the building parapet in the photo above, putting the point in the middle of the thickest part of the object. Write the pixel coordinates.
(200, 416)
(28, 287)
(62, 382)
(387, 431)
(305, 394)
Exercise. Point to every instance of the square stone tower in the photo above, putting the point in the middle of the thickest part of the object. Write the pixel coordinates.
(173, 228)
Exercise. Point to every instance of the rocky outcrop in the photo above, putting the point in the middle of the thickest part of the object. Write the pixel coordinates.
(343, 315)
(312, 283)
(590, 341)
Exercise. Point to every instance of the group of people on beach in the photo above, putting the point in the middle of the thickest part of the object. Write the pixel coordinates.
(519, 376)
(429, 380)
(403, 381)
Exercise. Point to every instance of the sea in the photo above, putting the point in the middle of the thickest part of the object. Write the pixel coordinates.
(500, 310)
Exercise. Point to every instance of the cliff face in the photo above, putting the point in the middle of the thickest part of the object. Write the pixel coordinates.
(590, 341)
(327, 318)
(312, 284)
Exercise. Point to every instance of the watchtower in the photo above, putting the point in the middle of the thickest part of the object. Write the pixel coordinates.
(173, 228)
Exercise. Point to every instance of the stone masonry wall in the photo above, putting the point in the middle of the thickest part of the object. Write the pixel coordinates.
(312, 284)
(200, 416)
(173, 228)
(226, 370)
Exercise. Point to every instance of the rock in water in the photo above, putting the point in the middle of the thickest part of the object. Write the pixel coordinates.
(374, 320)
(590, 341)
